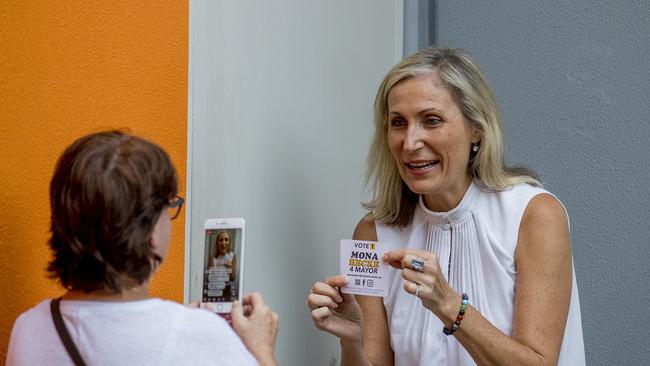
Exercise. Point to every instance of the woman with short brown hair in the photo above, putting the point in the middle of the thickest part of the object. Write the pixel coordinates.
(113, 196)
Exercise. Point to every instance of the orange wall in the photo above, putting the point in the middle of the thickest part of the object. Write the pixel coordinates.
(67, 69)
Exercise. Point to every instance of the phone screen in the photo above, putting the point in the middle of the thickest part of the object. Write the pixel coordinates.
(222, 267)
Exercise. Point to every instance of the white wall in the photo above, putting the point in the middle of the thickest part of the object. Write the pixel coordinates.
(280, 119)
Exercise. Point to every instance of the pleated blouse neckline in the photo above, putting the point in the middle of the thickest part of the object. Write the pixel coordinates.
(456, 214)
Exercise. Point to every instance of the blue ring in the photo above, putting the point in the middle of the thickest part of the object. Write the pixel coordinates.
(417, 264)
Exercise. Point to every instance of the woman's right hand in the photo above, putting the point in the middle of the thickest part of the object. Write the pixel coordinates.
(257, 326)
(333, 311)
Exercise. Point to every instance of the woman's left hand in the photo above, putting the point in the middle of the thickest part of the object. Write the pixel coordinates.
(434, 290)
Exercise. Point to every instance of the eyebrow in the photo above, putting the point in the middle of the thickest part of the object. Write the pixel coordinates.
(424, 111)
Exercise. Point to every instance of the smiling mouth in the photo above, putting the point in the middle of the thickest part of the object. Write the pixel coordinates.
(421, 165)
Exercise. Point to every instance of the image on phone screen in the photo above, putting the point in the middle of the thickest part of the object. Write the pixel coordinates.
(221, 275)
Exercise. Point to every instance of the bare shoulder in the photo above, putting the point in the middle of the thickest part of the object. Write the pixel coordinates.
(365, 229)
(544, 208)
(544, 227)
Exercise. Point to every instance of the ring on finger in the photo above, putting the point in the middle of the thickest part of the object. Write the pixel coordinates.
(417, 264)
(418, 289)
(312, 307)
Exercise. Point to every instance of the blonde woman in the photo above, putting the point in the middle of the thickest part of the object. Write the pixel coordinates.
(224, 257)
(483, 274)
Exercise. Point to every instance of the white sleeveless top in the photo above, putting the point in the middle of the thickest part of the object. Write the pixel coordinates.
(223, 259)
(478, 238)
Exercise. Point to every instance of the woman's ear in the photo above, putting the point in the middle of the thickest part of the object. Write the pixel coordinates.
(161, 236)
(477, 135)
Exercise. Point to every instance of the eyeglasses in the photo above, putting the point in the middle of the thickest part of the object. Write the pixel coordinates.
(174, 207)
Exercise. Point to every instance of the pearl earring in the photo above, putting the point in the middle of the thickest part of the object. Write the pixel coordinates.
(475, 147)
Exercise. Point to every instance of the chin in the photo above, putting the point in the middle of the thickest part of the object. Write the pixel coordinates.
(422, 187)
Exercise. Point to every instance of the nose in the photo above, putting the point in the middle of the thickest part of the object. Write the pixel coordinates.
(413, 139)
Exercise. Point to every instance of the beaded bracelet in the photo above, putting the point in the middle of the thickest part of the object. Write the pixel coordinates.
(454, 327)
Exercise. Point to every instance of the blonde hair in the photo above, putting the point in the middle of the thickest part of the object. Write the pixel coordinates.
(216, 241)
(392, 201)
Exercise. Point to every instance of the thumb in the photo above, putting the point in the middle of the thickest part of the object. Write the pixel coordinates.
(237, 314)
(347, 297)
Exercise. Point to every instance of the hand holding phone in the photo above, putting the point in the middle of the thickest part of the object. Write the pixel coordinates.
(257, 326)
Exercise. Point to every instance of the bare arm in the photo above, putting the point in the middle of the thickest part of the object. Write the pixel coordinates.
(376, 338)
(360, 323)
(542, 297)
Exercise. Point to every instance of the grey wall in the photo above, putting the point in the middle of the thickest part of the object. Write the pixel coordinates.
(419, 25)
(572, 80)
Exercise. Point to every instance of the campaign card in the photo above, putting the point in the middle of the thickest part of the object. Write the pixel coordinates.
(361, 263)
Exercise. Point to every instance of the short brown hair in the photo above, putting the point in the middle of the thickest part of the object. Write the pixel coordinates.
(106, 195)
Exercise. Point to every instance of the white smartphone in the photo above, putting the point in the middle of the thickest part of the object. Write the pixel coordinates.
(223, 263)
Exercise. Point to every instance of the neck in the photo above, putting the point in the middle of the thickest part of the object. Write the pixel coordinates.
(449, 200)
(140, 292)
